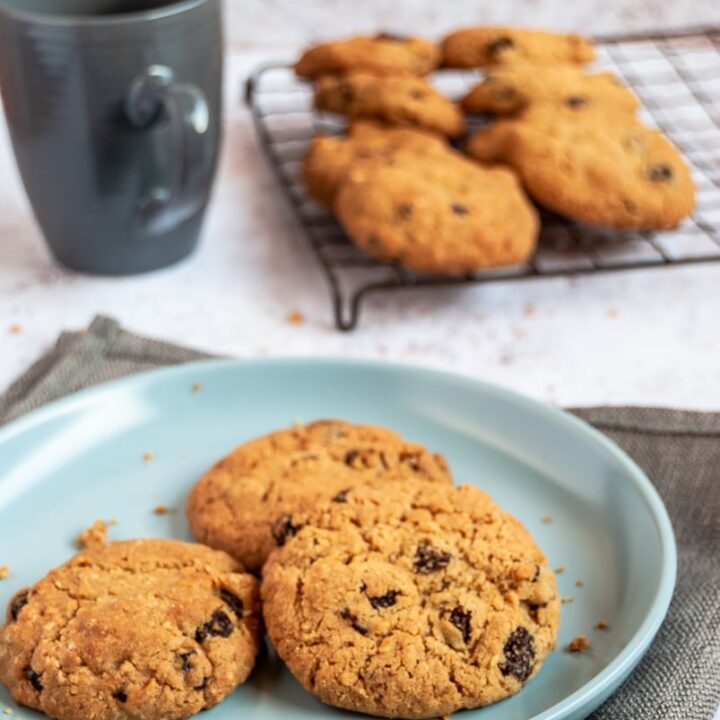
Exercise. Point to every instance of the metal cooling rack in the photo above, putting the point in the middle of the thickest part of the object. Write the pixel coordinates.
(675, 75)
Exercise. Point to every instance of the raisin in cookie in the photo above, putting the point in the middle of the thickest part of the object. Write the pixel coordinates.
(437, 213)
(246, 504)
(152, 629)
(382, 54)
(600, 168)
(488, 46)
(411, 600)
(404, 101)
(328, 159)
(511, 90)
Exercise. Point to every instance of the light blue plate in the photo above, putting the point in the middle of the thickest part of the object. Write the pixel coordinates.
(82, 458)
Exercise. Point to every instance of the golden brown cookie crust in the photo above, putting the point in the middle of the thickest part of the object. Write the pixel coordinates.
(489, 46)
(398, 101)
(512, 89)
(439, 213)
(328, 159)
(603, 169)
(246, 503)
(382, 54)
(411, 601)
(141, 628)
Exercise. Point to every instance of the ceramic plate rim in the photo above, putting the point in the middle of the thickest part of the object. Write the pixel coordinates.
(600, 685)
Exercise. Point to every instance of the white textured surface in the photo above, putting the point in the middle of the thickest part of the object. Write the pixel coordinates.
(648, 337)
(264, 24)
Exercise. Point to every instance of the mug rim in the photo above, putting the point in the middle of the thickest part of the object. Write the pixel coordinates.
(48, 18)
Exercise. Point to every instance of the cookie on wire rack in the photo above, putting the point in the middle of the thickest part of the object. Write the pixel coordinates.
(381, 54)
(437, 213)
(397, 101)
(491, 46)
(329, 158)
(515, 88)
(598, 167)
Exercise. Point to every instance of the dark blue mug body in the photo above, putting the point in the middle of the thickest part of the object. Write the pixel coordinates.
(114, 109)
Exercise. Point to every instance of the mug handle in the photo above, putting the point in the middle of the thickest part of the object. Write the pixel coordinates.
(153, 96)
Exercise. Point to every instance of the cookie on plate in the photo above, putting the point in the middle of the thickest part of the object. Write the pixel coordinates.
(512, 89)
(246, 503)
(598, 168)
(153, 629)
(382, 54)
(411, 600)
(398, 101)
(488, 46)
(439, 213)
(329, 158)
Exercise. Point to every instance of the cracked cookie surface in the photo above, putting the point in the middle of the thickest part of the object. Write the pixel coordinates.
(437, 212)
(382, 54)
(512, 89)
(598, 167)
(134, 629)
(398, 101)
(411, 600)
(490, 46)
(247, 503)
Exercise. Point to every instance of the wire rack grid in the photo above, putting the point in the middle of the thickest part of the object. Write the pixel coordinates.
(675, 75)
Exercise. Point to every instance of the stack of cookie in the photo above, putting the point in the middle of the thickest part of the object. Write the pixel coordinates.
(566, 138)
(572, 136)
(385, 588)
(402, 193)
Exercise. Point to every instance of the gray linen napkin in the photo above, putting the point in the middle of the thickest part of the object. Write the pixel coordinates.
(679, 678)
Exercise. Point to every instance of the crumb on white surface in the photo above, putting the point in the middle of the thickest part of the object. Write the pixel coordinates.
(295, 317)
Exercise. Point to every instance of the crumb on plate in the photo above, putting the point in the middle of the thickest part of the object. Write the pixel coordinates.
(162, 509)
(94, 536)
(580, 583)
(579, 644)
(602, 625)
(148, 457)
(559, 570)
(4, 572)
(547, 519)
(196, 387)
(529, 310)
(567, 599)
(15, 329)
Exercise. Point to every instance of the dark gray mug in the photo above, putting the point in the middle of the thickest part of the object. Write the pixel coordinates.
(114, 109)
